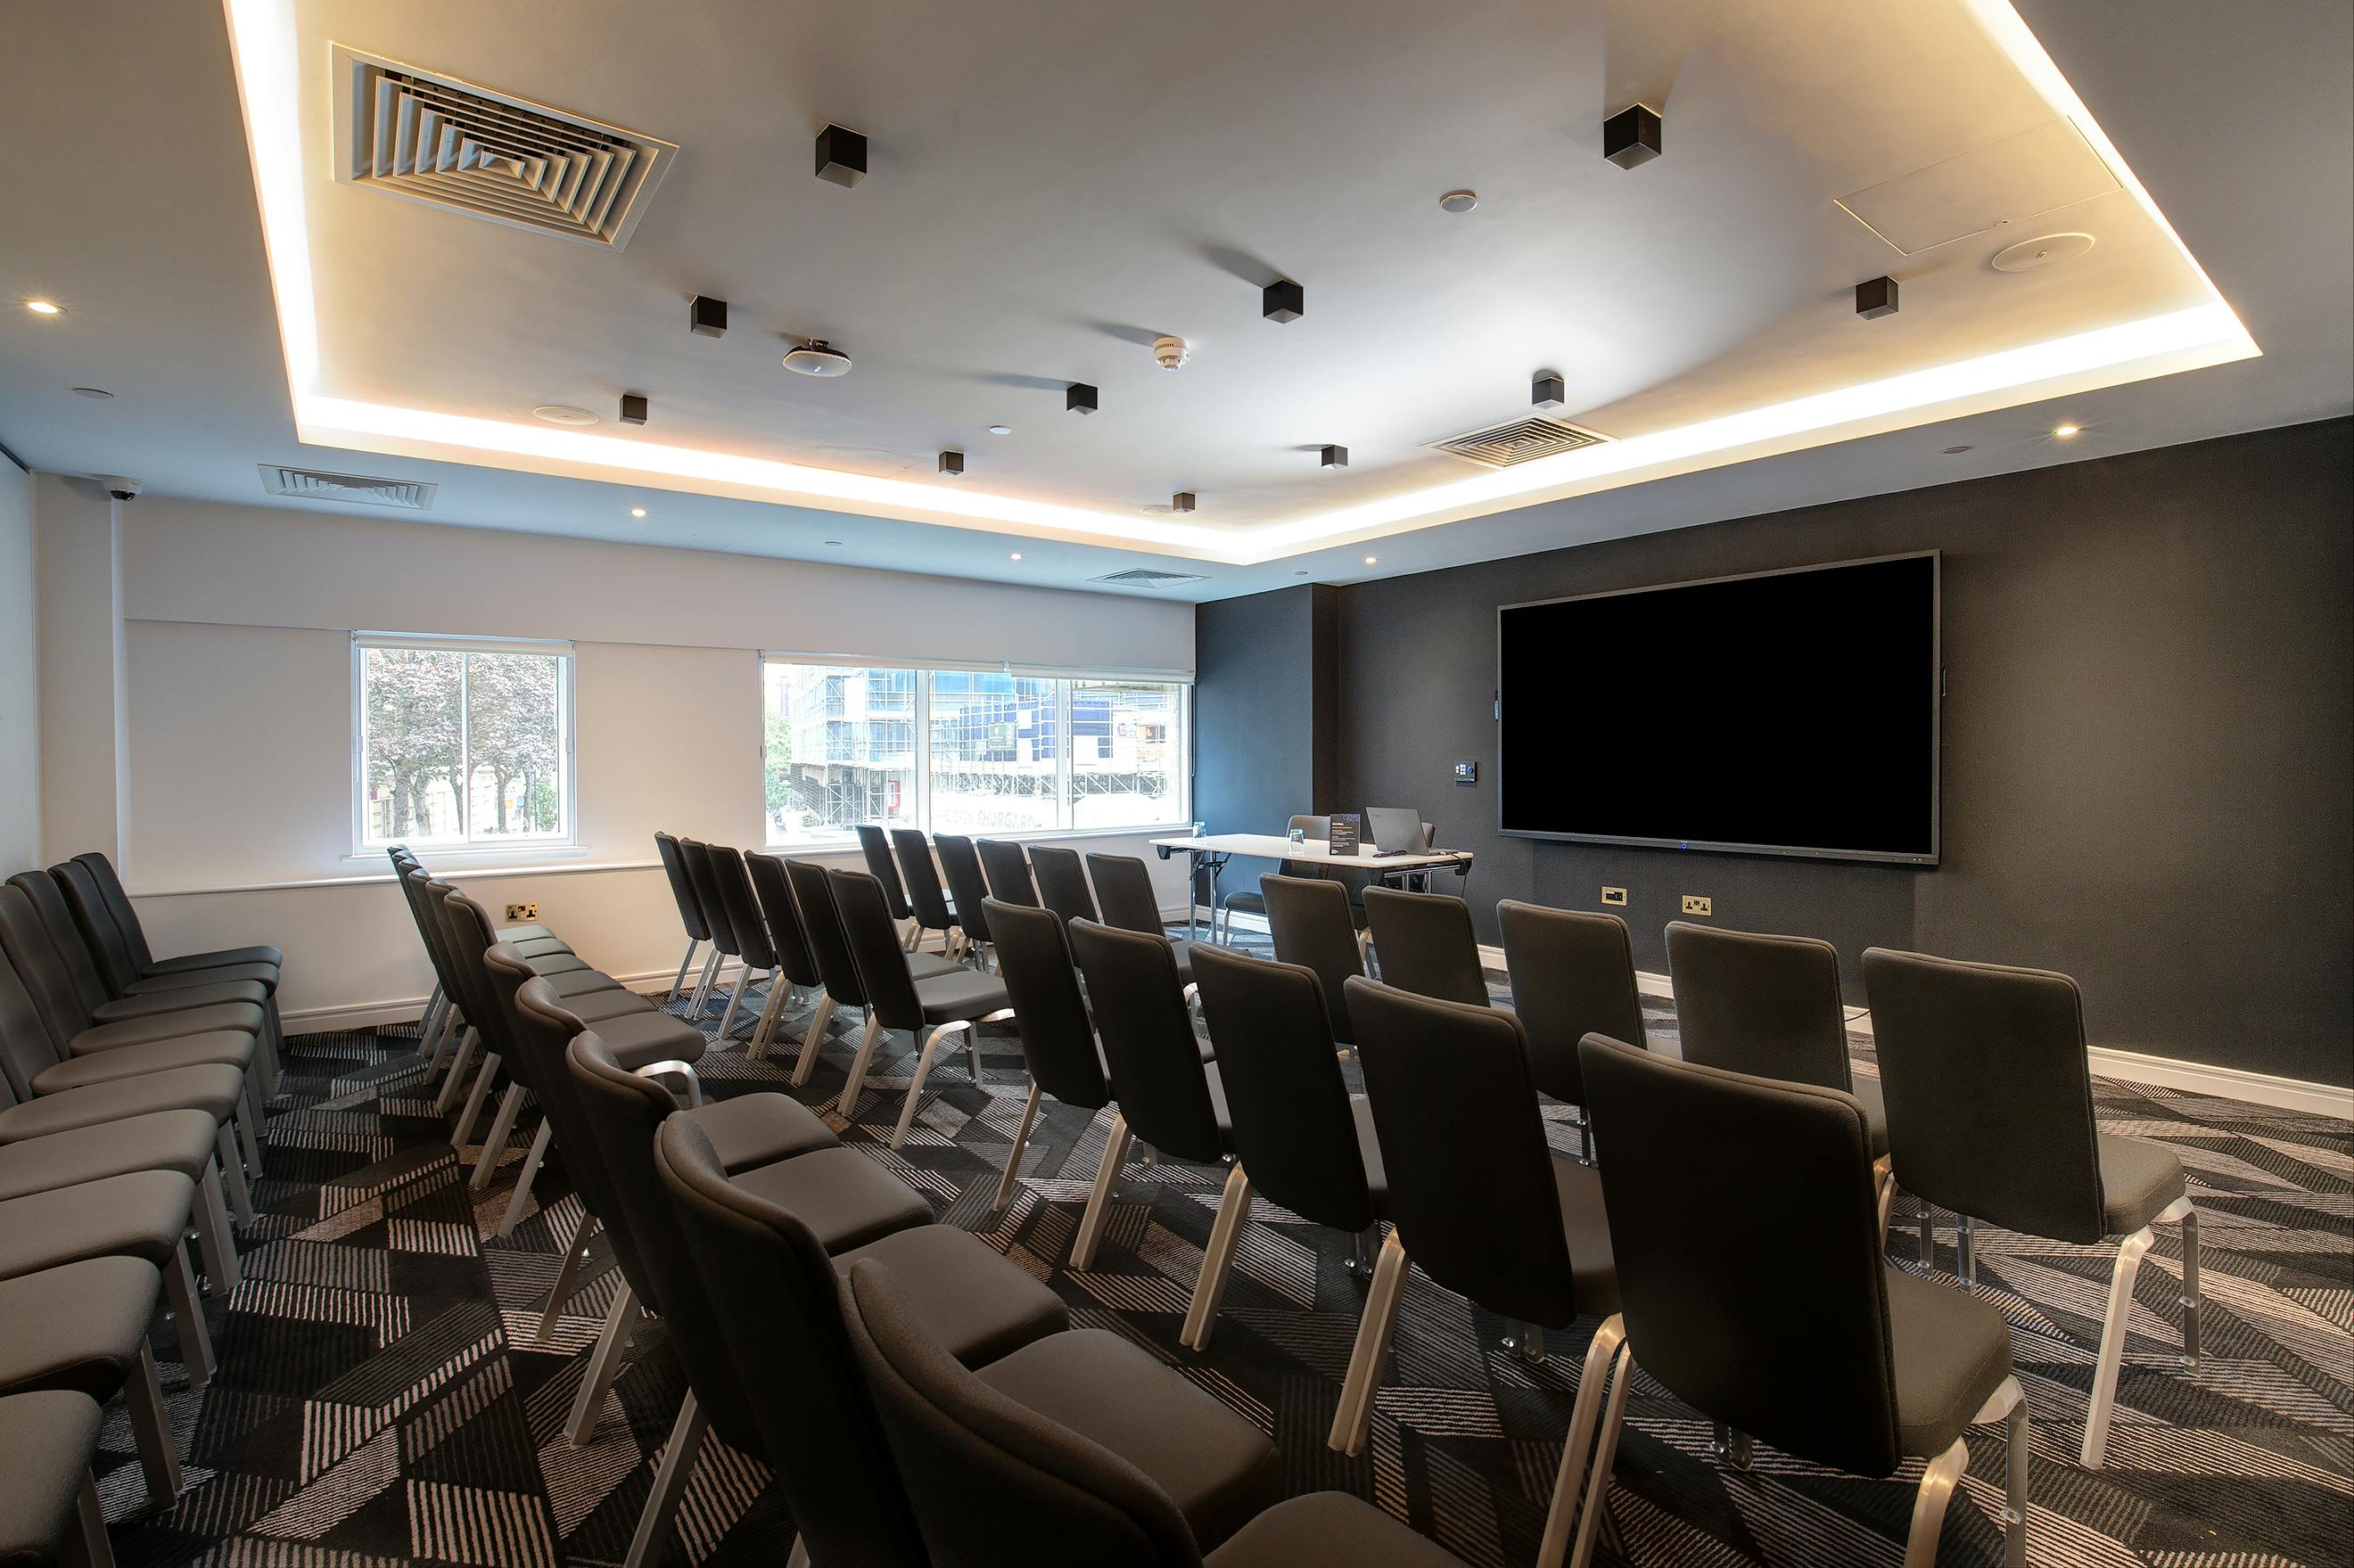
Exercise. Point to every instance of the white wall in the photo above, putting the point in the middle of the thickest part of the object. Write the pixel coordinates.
(77, 573)
(233, 663)
(20, 682)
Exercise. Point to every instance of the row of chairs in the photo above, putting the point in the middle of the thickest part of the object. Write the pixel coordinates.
(131, 1090)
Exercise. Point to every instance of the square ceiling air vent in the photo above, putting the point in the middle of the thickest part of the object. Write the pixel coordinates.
(452, 145)
(1148, 576)
(310, 484)
(1518, 441)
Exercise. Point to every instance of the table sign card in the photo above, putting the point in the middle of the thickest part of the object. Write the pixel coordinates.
(1345, 829)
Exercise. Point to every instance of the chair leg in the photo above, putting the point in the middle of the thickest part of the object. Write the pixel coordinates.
(923, 1065)
(89, 1547)
(216, 1243)
(151, 1429)
(2181, 1209)
(188, 1318)
(1884, 1175)
(1098, 1210)
(2112, 1347)
(494, 1143)
(525, 1177)
(1928, 1235)
(1937, 1483)
(678, 984)
(670, 1485)
(1584, 1417)
(1606, 1455)
(248, 1135)
(735, 1001)
(806, 1061)
(576, 1252)
(869, 1038)
(445, 1029)
(232, 1173)
(1965, 1253)
(764, 1033)
(1014, 1155)
(604, 1366)
(701, 997)
(1218, 1260)
(2009, 1407)
(466, 1044)
(1353, 1423)
(474, 1098)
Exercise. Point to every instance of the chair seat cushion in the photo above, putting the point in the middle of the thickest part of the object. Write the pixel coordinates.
(184, 999)
(924, 966)
(979, 1306)
(966, 994)
(637, 1038)
(2138, 1180)
(556, 963)
(1328, 1527)
(582, 981)
(1952, 1352)
(151, 984)
(599, 1006)
(761, 1129)
(1587, 1228)
(139, 1215)
(257, 954)
(241, 1016)
(216, 1091)
(225, 1048)
(181, 1140)
(548, 947)
(843, 1197)
(521, 933)
(1219, 1469)
(47, 1441)
(79, 1327)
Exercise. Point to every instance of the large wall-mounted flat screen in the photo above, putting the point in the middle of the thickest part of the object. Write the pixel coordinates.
(1788, 713)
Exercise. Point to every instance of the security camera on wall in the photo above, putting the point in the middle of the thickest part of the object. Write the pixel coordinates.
(120, 486)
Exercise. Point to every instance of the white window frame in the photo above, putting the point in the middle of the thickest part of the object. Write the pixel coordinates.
(1063, 675)
(567, 837)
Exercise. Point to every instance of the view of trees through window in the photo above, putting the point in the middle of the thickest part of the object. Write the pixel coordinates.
(461, 747)
(993, 752)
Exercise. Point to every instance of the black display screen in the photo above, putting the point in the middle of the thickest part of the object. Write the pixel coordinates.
(1793, 713)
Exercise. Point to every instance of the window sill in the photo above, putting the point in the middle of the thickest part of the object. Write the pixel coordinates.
(480, 856)
(848, 842)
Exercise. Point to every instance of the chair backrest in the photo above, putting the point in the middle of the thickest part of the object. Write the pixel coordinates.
(1059, 1044)
(1295, 1131)
(57, 1000)
(783, 917)
(1761, 1004)
(1471, 1184)
(1063, 882)
(962, 866)
(1124, 891)
(690, 909)
(876, 847)
(96, 922)
(472, 931)
(984, 1471)
(55, 921)
(1573, 975)
(779, 1304)
(460, 978)
(829, 949)
(1774, 1322)
(543, 1027)
(26, 1048)
(1009, 872)
(864, 911)
(118, 900)
(622, 1113)
(703, 880)
(1149, 1040)
(1318, 828)
(734, 885)
(1426, 945)
(1309, 917)
(417, 886)
(925, 895)
(1989, 1091)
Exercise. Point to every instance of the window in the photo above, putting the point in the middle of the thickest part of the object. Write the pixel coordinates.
(985, 752)
(462, 742)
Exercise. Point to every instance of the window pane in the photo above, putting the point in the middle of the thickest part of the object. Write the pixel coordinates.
(839, 750)
(1127, 753)
(514, 746)
(993, 754)
(411, 751)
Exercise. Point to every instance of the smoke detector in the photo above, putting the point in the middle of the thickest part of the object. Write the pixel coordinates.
(817, 358)
(1170, 350)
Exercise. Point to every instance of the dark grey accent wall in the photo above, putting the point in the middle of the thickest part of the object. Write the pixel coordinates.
(1266, 704)
(2149, 739)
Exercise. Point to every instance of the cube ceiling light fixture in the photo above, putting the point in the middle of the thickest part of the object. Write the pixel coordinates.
(841, 155)
(1875, 298)
(1631, 136)
(1283, 301)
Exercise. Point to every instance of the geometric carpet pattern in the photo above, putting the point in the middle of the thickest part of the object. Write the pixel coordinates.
(382, 1397)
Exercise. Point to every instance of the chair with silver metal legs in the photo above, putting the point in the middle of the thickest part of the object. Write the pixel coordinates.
(1477, 1200)
(937, 1007)
(1247, 902)
(796, 966)
(1124, 892)
(690, 911)
(925, 896)
(875, 844)
(837, 969)
(83, 1326)
(1008, 869)
(697, 857)
(1063, 882)
(1990, 1099)
(756, 957)
(1309, 921)
(1167, 1094)
(1058, 1043)
(1425, 944)
(1301, 1140)
(1572, 974)
(1790, 1330)
(48, 1442)
(960, 868)
(1771, 1006)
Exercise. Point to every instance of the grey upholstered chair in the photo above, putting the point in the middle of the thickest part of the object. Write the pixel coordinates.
(700, 877)
(1572, 974)
(960, 868)
(1301, 1140)
(925, 897)
(876, 845)
(83, 1326)
(1425, 944)
(796, 966)
(49, 1513)
(1990, 1098)
(1008, 869)
(1124, 892)
(1794, 1330)
(1310, 919)
(1058, 1041)
(1244, 901)
(690, 909)
(1063, 882)
(1770, 1006)
(837, 969)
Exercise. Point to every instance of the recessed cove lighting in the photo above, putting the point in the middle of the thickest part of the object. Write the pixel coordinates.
(637, 512)
(563, 414)
(2064, 432)
(1459, 201)
(45, 307)
(100, 393)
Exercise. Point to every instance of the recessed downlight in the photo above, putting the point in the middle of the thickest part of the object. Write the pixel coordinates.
(834, 543)
(1956, 451)
(100, 393)
(1001, 430)
(2045, 251)
(563, 414)
(45, 307)
(2067, 431)
(1014, 556)
(1459, 201)
(1372, 560)
(637, 512)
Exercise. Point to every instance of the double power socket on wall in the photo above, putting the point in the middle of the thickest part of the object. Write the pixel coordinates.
(1694, 903)
(523, 911)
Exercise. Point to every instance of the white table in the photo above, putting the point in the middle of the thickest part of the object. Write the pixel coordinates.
(1215, 850)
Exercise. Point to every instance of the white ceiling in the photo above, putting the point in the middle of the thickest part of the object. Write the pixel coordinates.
(1052, 187)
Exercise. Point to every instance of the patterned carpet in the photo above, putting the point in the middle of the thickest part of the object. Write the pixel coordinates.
(381, 1398)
